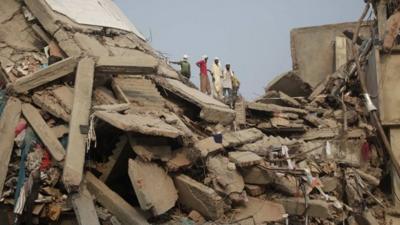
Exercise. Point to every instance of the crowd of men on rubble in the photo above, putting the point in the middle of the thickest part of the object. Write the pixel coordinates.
(225, 84)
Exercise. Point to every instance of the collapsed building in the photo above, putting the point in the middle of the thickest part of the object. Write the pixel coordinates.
(97, 128)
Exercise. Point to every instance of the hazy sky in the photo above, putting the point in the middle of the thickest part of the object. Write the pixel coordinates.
(252, 35)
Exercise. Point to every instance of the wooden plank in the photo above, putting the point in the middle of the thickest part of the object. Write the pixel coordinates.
(125, 213)
(41, 77)
(84, 208)
(76, 149)
(44, 132)
(8, 123)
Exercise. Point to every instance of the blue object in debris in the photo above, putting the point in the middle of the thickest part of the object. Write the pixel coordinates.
(29, 140)
(3, 100)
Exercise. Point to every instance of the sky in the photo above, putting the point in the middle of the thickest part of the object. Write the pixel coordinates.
(252, 35)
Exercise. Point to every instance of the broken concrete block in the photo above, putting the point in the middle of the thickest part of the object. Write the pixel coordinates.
(287, 185)
(142, 63)
(254, 190)
(84, 208)
(104, 96)
(263, 146)
(112, 108)
(329, 184)
(289, 100)
(60, 130)
(150, 150)
(90, 45)
(154, 189)
(44, 132)
(180, 159)
(65, 97)
(8, 122)
(206, 146)
(316, 208)
(113, 202)
(262, 211)
(272, 108)
(139, 91)
(53, 72)
(234, 139)
(74, 161)
(255, 175)
(226, 179)
(139, 123)
(289, 83)
(244, 159)
(47, 102)
(199, 197)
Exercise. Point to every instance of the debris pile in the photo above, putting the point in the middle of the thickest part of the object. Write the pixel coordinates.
(96, 128)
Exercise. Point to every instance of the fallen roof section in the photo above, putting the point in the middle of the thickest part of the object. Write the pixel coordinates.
(212, 110)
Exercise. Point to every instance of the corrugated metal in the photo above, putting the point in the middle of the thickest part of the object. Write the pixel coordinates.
(104, 13)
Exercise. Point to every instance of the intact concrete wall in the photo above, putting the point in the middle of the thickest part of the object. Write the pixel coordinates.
(313, 49)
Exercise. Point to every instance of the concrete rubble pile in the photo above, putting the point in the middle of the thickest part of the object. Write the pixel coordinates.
(96, 128)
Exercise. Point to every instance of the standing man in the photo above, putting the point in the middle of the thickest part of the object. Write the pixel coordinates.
(227, 84)
(185, 66)
(204, 81)
(235, 88)
(216, 73)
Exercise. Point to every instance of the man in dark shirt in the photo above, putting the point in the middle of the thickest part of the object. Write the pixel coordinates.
(185, 66)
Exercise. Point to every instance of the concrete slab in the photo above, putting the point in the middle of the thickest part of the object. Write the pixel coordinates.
(90, 45)
(254, 190)
(206, 146)
(51, 73)
(8, 122)
(44, 132)
(212, 110)
(272, 108)
(157, 192)
(244, 159)
(261, 211)
(199, 197)
(139, 123)
(289, 83)
(84, 208)
(241, 137)
(255, 175)
(141, 64)
(316, 208)
(114, 203)
(49, 103)
(104, 96)
(225, 178)
(75, 159)
(180, 159)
